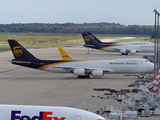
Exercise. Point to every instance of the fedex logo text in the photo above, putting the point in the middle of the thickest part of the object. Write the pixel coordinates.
(15, 115)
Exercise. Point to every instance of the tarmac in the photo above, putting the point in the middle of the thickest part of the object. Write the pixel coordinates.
(24, 86)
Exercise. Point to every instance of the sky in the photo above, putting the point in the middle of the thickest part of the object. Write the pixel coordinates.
(125, 12)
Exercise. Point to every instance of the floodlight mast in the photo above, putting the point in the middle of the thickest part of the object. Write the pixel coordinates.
(156, 11)
(156, 49)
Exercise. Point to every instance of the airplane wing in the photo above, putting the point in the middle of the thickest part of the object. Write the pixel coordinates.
(118, 49)
(20, 62)
(132, 51)
(70, 68)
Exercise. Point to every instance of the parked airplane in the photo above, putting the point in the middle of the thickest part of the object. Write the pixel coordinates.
(131, 43)
(124, 49)
(81, 68)
(64, 53)
(27, 112)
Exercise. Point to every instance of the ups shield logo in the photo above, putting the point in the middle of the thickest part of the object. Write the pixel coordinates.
(87, 39)
(92, 36)
(17, 51)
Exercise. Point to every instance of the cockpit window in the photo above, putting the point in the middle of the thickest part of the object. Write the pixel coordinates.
(146, 60)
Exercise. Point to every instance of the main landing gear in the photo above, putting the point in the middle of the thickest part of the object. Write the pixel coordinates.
(83, 76)
(124, 53)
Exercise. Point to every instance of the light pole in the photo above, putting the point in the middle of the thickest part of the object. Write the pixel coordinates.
(156, 55)
(156, 41)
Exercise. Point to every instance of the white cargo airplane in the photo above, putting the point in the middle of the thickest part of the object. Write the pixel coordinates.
(81, 68)
(123, 48)
(26, 112)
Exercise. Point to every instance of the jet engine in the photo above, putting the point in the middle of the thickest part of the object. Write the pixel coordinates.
(78, 71)
(132, 51)
(122, 50)
(97, 73)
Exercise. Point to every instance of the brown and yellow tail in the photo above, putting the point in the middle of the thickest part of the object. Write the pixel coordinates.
(19, 52)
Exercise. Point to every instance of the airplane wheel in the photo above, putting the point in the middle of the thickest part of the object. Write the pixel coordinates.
(87, 76)
(124, 53)
(83, 76)
(80, 76)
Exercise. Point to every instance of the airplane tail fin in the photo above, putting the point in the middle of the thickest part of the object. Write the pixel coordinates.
(19, 52)
(64, 54)
(98, 40)
(94, 37)
(89, 40)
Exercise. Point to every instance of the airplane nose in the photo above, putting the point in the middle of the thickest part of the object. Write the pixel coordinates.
(151, 67)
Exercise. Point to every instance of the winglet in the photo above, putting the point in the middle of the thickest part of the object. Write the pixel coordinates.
(64, 54)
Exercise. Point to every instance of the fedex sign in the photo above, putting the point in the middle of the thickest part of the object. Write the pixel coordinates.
(16, 115)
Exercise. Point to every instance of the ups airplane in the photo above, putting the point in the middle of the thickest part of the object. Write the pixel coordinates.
(27, 112)
(124, 48)
(81, 68)
(130, 43)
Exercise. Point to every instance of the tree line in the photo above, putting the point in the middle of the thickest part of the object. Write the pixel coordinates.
(97, 28)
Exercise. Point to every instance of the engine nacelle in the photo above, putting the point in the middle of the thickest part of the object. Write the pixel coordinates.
(122, 50)
(78, 71)
(97, 73)
(132, 51)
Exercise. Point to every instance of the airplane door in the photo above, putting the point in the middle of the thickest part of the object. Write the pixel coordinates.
(77, 118)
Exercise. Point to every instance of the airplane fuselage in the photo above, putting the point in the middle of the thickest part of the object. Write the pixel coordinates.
(116, 47)
(130, 65)
(26, 112)
(139, 48)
